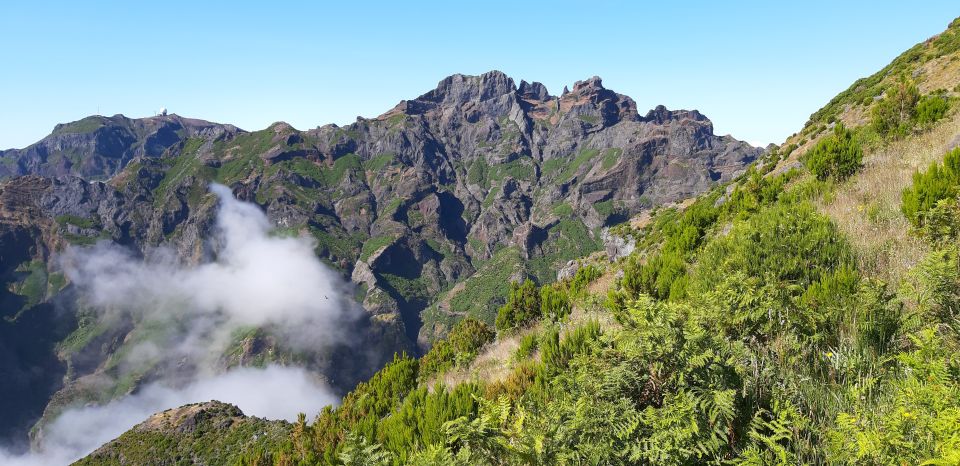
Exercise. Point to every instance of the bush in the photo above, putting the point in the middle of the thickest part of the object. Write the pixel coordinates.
(931, 108)
(527, 303)
(554, 303)
(939, 182)
(528, 344)
(894, 114)
(836, 156)
(461, 346)
(941, 224)
(523, 306)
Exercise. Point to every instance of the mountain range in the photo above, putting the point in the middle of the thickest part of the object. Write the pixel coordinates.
(429, 210)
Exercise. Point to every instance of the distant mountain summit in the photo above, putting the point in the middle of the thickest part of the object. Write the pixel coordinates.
(98, 147)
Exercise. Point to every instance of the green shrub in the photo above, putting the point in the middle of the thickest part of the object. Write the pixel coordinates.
(931, 108)
(894, 114)
(528, 344)
(527, 303)
(790, 245)
(557, 352)
(941, 223)
(584, 276)
(939, 182)
(461, 346)
(523, 306)
(836, 156)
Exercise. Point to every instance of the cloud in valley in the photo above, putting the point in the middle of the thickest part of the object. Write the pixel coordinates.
(256, 279)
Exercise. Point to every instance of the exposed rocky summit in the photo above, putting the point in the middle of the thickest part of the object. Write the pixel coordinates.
(430, 209)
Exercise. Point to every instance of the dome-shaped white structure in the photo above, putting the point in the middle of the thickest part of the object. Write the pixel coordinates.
(163, 111)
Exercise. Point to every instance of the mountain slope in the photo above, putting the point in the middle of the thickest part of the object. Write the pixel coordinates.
(201, 433)
(422, 208)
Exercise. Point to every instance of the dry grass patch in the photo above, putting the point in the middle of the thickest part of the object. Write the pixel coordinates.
(496, 361)
(867, 208)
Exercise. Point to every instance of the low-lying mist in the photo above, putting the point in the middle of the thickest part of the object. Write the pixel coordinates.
(273, 392)
(253, 279)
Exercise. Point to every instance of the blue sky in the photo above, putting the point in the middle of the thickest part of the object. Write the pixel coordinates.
(757, 69)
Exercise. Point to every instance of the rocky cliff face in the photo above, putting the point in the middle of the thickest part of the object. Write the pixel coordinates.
(430, 209)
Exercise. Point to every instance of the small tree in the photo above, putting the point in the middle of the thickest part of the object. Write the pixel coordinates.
(836, 156)
(894, 114)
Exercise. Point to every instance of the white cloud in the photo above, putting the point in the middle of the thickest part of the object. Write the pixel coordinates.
(255, 280)
(273, 393)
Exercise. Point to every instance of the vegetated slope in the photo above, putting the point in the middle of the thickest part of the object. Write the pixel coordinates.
(200, 433)
(754, 326)
(424, 207)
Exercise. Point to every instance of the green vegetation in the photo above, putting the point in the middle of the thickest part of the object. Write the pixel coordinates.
(84, 126)
(485, 175)
(894, 114)
(864, 90)
(32, 283)
(836, 156)
(411, 289)
(610, 158)
(744, 333)
(81, 222)
(461, 345)
(569, 239)
(744, 329)
(378, 163)
(88, 328)
(903, 108)
(337, 244)
(491, 195)
(218, 437)
(568, 168)
(931, 108)
(484, 292)
(589, 119)
(526, 303)
(562, 209)
(374, 244)
(605, 208)
(183, 166)
(931, 203)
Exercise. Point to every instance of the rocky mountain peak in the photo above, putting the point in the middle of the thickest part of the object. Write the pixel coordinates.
(459, 89)
(661, 115)
(590, 96)
(533, 91)
(588, 86)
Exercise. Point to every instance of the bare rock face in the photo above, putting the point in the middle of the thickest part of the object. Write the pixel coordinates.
(408, 205)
